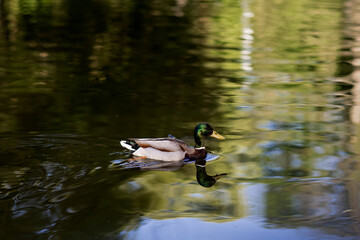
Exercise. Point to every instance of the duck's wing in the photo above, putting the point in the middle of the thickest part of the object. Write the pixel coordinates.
(162, 144)
(153, 153)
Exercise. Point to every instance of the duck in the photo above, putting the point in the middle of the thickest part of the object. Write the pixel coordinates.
(170, 148)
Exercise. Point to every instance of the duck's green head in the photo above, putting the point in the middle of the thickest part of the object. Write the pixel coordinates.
(204, 130)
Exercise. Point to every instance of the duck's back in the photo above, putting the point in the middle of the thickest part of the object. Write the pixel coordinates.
(162, 144)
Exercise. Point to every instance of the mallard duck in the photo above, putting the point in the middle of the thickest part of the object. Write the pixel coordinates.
(170, 148)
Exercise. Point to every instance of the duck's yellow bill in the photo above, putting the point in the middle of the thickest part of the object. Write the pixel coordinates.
(216, 135)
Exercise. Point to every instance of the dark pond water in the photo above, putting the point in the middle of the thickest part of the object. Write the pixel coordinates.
(279, 79)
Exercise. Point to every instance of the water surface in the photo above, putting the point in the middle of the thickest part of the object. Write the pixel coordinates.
(279, 79)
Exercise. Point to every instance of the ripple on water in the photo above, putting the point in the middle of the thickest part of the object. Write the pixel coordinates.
(60, 197)
(149, 164)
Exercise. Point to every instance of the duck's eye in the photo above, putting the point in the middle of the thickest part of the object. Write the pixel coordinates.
(209, 130)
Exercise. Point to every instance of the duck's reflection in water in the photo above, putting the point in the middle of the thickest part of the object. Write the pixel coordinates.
(202, 177)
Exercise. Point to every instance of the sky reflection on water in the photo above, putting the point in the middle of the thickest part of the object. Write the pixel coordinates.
(249, 228)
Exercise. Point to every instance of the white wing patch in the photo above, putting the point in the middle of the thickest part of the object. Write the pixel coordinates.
(153, 153)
